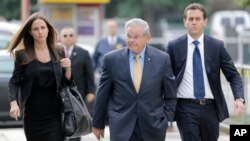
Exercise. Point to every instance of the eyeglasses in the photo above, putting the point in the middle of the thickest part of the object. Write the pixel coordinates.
(69, 35)
(135, 37)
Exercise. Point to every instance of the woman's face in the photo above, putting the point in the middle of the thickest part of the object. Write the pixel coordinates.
(39, 31)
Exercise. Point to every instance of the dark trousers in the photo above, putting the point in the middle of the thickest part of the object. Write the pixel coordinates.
(136, 135)
(75, 139)
(197, 122)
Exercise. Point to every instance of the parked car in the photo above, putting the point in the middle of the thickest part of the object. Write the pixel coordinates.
(7, 65)
(6, 32)
(229, 23)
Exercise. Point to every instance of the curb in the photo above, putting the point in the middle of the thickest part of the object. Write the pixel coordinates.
(224, 127)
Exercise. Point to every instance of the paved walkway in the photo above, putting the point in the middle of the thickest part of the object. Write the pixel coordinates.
(16, 134)
(171, 136)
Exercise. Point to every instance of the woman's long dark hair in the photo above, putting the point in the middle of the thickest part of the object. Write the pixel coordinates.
(24, 40)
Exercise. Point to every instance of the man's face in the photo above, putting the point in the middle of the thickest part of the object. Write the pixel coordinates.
(68, 38)
(112, 28)
(136, 39)
(195, 23)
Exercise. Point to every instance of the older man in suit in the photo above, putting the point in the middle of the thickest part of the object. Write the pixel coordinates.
(137, 88)
(110, 42)
(197, 61)
(81, 66)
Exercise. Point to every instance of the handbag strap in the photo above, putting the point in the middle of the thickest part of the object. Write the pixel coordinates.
(65, 82)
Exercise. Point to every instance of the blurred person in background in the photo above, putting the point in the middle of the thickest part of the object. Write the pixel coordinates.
(81, 68)
(37, 76)
(139, 103)
(110, 42)
(197, 61)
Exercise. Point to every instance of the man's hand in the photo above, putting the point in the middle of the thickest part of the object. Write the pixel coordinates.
(239, 107)
(14, 110)
(98, 132)
(90, 97)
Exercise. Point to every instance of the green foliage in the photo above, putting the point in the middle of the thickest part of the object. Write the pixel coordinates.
(135, 8)
(153, 11)
(158, 2)
(243, 3)
(10, 9)
(129, 8)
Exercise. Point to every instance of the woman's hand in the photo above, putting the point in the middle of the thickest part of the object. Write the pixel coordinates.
(14, 110)
(66, 63)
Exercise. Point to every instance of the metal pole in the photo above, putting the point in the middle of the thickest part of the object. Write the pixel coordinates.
(25, 10)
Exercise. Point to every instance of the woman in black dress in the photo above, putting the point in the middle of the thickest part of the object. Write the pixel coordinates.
(37, 75)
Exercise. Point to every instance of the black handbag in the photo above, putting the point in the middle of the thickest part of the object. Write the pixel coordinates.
(76, 120)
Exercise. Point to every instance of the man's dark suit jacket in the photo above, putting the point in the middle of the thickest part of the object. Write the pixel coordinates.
(152, 107)
(216, 58)
(82, 71)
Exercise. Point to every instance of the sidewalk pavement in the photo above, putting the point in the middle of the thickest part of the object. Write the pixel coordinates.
(171, 136)
(17, 134)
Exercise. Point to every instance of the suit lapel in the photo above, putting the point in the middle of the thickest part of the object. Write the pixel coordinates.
(182, 49)
(125, 68)
(148, 61)
(106, 43)
(73, 54)
(207, 53)
(57, 68)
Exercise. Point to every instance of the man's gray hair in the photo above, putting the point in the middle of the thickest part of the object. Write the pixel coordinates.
(136, 22)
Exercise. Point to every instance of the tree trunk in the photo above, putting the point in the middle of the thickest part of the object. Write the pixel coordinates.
(151, 16)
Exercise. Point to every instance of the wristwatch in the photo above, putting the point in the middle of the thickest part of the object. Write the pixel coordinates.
(241, 99)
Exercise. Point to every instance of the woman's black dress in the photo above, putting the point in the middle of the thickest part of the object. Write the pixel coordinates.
(41, 114)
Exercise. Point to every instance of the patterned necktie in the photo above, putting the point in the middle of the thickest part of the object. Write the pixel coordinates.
(137, 72)
(199, 89)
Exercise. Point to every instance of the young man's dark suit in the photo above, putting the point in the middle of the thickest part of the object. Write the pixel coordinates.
(216, 59)
(150, 109)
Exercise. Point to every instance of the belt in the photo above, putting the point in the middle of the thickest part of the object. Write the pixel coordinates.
(197, 101)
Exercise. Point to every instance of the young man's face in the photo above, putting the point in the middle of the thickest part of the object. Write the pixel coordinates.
(195, 23)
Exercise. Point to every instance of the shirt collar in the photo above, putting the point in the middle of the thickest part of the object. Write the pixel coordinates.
(191, 39)
(70, 48)
(112, 38)
(142, 54)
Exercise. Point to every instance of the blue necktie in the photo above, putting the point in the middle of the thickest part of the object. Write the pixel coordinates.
(199, 89)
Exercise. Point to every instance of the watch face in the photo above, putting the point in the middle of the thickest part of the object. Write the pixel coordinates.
(242, 100)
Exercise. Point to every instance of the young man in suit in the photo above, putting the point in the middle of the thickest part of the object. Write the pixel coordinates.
(197, 61)
(110, 42)
(137, 88)
(81, 66)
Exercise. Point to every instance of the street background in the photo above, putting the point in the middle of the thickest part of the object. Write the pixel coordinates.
(18, 135)
(89, 18)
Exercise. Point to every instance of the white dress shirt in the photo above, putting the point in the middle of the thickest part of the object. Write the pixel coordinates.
(186, 88)
(112, 40)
